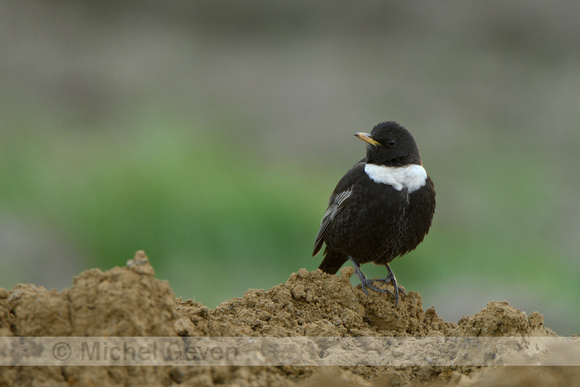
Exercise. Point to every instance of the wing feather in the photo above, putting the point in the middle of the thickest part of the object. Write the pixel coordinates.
(338, 200)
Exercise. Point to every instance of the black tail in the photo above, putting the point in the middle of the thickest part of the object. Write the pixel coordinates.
(332, 261)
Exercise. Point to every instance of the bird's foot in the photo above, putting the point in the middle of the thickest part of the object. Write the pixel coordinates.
(365, 282)
(391, 278)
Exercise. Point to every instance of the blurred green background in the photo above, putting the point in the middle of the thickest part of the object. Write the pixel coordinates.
(211, 134)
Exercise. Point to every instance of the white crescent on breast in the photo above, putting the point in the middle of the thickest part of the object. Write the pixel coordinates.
(411, 176)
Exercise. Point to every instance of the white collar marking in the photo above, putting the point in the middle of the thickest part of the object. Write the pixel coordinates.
(411, 176)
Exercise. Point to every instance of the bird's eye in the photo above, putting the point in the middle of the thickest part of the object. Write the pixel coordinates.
(391, 142)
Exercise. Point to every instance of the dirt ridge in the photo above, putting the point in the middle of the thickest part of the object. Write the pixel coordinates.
(130, 301)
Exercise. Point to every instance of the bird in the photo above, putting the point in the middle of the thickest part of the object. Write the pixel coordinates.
(381, 209)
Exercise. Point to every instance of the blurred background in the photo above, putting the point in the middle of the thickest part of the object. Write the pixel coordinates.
(211, 135)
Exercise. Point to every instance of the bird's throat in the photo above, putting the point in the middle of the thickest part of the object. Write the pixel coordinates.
(410, 176)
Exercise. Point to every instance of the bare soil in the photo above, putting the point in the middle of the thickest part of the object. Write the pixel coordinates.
(129, 301)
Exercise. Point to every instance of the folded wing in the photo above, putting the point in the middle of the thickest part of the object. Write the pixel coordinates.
(338, 200)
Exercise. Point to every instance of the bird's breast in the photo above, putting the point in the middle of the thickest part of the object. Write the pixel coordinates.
(412, 176)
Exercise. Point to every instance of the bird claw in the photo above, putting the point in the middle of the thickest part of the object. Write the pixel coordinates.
(386, 280)
(367, 283)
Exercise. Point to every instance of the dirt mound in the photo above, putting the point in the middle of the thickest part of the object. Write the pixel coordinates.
(129, 301)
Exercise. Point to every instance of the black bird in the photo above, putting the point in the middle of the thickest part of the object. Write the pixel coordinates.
(381, 209)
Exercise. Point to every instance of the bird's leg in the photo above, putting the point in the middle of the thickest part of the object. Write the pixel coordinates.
(391, 278)
(365, 282)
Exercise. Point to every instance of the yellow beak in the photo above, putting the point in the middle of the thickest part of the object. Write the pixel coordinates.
(367, 138)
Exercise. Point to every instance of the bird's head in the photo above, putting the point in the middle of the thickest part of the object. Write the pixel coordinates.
(390, 144)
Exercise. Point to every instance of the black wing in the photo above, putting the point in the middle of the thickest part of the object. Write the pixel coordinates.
(338, 200)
